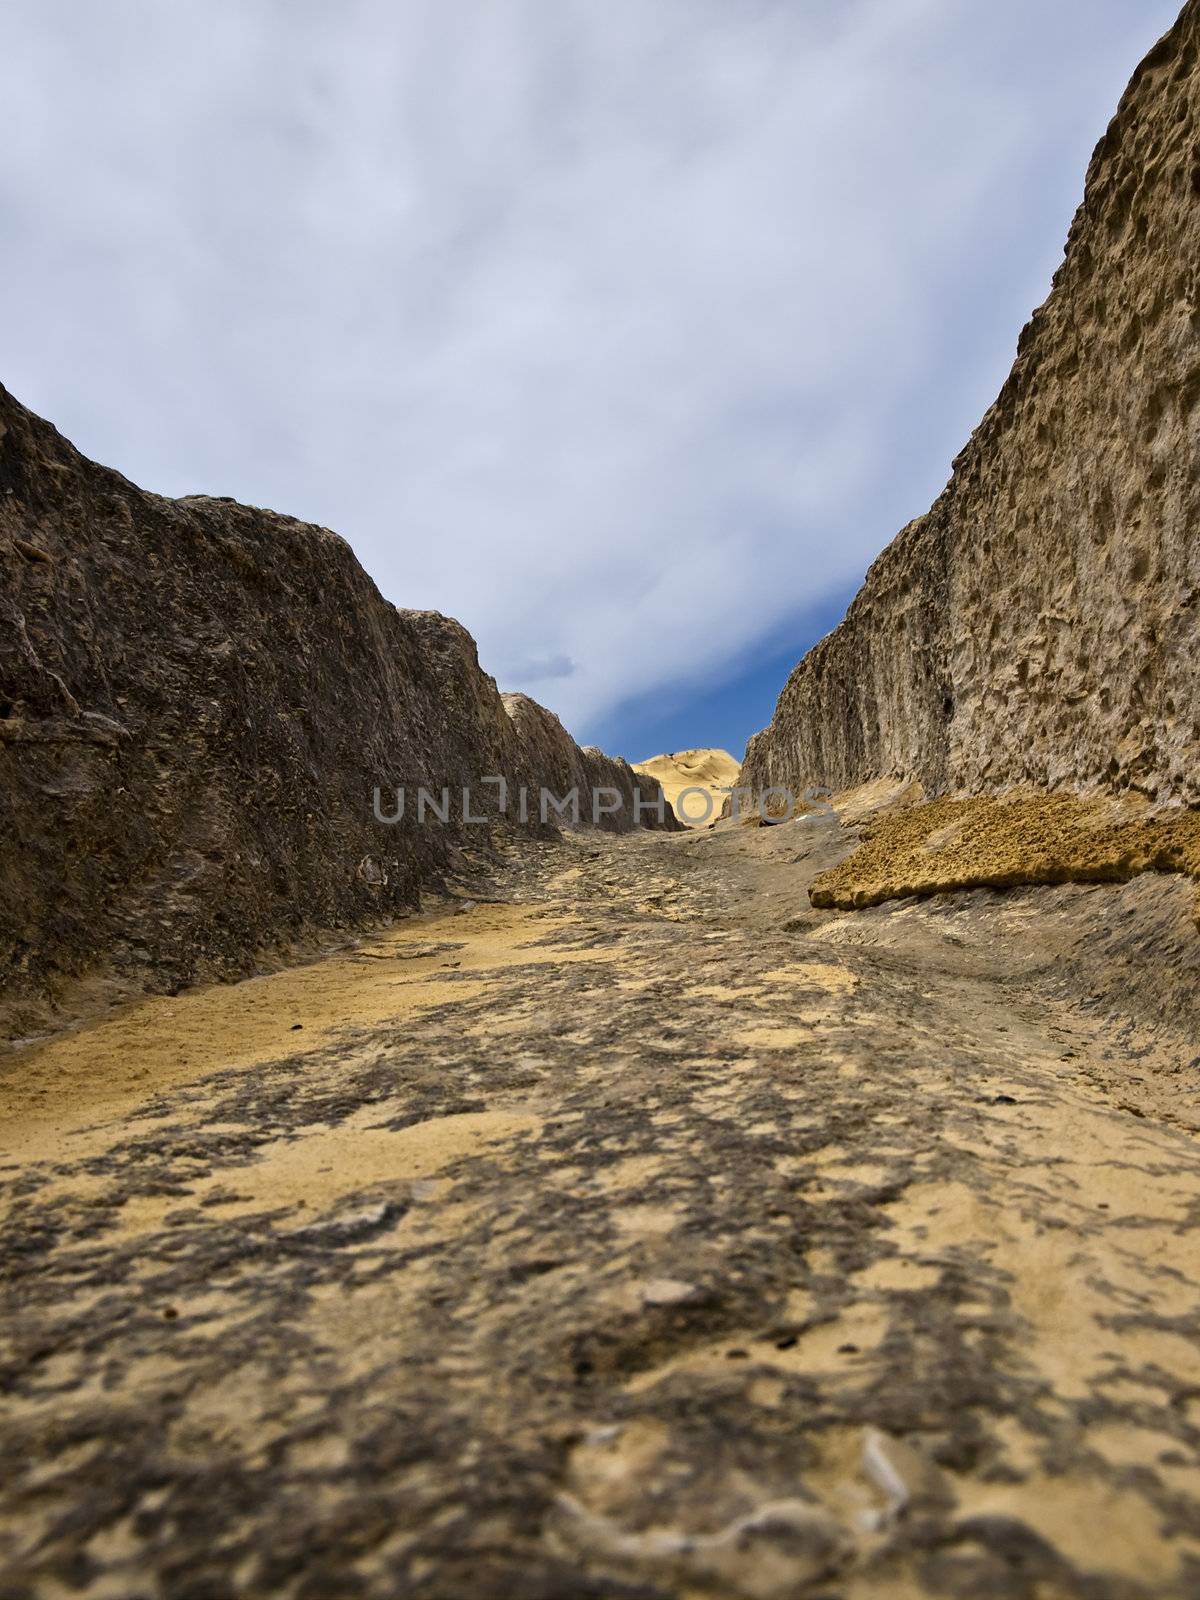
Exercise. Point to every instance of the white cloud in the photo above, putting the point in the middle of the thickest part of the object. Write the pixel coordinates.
(620, 330)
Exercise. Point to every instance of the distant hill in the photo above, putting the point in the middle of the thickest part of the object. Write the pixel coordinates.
(713, 771)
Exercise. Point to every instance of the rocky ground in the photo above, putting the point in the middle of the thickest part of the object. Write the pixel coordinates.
(636, 1232)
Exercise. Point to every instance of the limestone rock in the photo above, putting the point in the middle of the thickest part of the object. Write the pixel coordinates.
(1039, 624)
(197, 702)
(638, 1249)
(551, 758)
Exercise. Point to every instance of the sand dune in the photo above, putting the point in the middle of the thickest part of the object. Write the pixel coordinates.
(713, 771)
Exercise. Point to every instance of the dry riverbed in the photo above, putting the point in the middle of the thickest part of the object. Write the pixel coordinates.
(645, 1234)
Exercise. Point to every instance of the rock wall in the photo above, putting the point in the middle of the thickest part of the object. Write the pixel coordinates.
(197, 700)
(1040, 624)
(552, 758)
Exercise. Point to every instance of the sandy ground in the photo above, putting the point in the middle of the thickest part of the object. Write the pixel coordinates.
(713, 772)
(647, 1234)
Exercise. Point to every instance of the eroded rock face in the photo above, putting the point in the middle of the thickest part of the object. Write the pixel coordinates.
(197, 700)
(1039, 624)
(612, 794)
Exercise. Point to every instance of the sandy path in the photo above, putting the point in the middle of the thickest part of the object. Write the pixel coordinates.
(64, 1096)
(650, 1235)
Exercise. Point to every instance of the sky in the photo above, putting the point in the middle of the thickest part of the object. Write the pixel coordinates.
(626, 331)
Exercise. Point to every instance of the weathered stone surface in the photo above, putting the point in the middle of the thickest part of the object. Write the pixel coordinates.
(548, 751)
(1040, 623)
(197, 700)
(987, 842)
(624, 1240)
(639, 1230)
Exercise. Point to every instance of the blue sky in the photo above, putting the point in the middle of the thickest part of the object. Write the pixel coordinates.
(626, 331)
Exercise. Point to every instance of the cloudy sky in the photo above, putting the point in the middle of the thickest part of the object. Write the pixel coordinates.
(626, 331)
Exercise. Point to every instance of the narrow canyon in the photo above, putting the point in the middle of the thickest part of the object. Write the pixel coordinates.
(781, 1180)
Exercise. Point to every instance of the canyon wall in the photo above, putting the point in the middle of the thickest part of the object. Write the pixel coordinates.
(1039, 625)
(607, 786)
(197, 701)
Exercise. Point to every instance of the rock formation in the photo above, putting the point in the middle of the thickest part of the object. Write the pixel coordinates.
(1039, 625)
(608, 787)
(197, 701)
(980, 842)
(713, 772)
(652, 1228)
